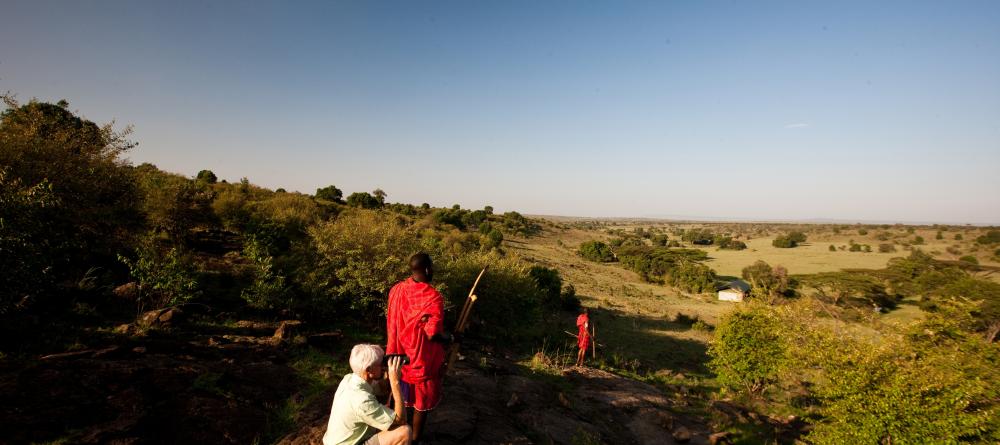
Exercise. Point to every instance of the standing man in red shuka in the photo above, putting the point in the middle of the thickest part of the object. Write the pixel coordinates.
(582, 335)
(415, 327)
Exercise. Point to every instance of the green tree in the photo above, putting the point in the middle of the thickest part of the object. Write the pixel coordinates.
(766, 283)
(363, 200)
(748, 351)
(207, 176)
(69, 175)
(330, 193)
(380, 195)
(596, 251)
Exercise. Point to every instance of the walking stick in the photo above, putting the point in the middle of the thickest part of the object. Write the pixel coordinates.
(463, 320)
(593, 340)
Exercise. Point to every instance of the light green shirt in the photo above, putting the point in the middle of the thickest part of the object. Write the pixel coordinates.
(356, 413)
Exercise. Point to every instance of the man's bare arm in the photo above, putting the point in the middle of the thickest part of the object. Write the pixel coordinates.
(395, 363)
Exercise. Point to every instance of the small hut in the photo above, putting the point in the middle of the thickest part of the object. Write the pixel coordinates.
(736, 290)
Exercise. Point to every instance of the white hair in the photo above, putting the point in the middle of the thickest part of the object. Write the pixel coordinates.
(365, 356)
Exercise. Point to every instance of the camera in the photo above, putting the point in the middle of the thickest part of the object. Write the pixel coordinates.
(385, 358)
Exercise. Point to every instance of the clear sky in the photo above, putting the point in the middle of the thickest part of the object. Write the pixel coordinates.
(760, 110)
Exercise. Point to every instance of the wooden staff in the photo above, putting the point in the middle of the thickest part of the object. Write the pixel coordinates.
(593, 339)
(463, 320)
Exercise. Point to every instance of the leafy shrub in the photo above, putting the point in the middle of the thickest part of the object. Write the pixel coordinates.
(969, 259)
(22, 237)
(833, 248)
(596, 251)
(699, 236)
(939, 235)
(173, 204)
(958, 237)
(492, 239)
(854, 248)
(330, 193)
(207, 177)
(357, 257)
(166, 277)
(728, 243)
(268, 289)
(230, 207)
(991, 237)
(680, 268)
(292, 212)
(784, 242)
(935, 384)
(50, 156)
(507, 288)
(886, 248)
(364, 200)
(766, 283)
(862, 232)
(748, 352)
(549, 283)
(517, 223)
(918, 240)
(568, 300)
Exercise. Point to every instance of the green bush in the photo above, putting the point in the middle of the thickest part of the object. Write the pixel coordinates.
(748, 351)
(357, 257)
(680, 268)
(549, 283)
(991, 237)
(886, 248)
(22, 236)
(206, 176)
(330, 193)
(766, 283)
(862, 232)
(918, 240)
(784, 242)
(969, 259)
(935, 384)
(833, 248)
(958, 237)
(268, 290)
(510, 305)
(166, 277)
(174, 204)
(364, 200)
(68, 173)
(596, 251)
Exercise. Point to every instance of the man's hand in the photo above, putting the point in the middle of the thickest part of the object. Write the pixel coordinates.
(395, 363)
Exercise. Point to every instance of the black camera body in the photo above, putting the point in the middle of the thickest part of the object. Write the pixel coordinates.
(385, 358)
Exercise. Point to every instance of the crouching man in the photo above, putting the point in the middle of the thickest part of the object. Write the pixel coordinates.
(356, 416)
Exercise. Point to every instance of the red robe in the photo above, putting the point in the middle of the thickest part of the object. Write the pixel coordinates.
(583, 334)
(416, 313)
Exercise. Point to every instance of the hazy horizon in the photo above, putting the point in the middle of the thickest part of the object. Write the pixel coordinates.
(847, 111)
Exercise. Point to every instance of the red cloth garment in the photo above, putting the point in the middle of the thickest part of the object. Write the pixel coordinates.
(583, 332)
(416, 313)
(422, 396)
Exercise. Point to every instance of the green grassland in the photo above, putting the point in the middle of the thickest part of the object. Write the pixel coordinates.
(636, 319)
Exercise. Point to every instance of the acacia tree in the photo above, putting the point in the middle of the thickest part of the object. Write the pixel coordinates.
(766, 283)
(330, 193)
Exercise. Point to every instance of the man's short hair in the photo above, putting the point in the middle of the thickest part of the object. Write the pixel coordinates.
(420, 262)
(365, 356)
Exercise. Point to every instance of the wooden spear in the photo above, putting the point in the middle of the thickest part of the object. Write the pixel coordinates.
(463, 320)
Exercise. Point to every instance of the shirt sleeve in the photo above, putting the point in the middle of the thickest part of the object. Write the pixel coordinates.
(435, 316)
(375, 414)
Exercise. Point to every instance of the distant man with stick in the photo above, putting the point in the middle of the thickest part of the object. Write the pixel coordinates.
(356, 416)
(415, 327)
(583, 335)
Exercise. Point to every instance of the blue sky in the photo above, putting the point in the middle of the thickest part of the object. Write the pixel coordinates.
(757, 110)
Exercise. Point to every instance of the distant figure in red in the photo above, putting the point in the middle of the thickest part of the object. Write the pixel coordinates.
(415, 327)
(582, 336)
